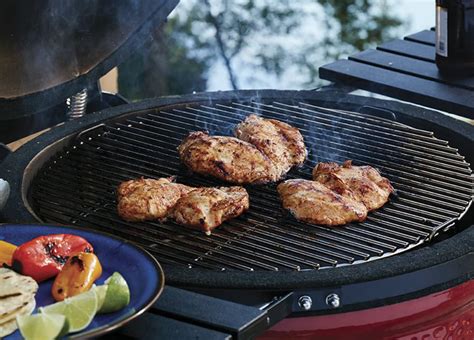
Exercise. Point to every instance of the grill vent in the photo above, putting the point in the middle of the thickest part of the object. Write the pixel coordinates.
(433, 183)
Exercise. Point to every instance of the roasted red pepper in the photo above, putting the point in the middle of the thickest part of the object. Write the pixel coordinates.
(43, 257)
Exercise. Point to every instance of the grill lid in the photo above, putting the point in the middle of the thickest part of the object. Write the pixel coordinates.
(433, 185)
(51, 50)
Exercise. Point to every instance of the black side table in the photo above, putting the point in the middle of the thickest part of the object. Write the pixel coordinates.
(405, 69)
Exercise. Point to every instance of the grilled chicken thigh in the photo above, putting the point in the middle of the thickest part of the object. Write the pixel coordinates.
(200, 208)
(364, 183)
(313, 202)
(207, 208)
(264, 151)
(148, 199)
(226, 158)
(280, 142)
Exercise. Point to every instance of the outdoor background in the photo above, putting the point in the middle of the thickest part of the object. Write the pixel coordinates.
(210, 45)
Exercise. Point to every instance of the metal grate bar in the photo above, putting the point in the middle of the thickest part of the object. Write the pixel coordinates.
(374, 123)
(377, 162)
(425, 211)
(433, 183)
(308, 116)
(396, 236)
(433, 203)
(111, 159)
(434, 188)
(378, 130)
(365, 138)
(416, 161)
(275, 231)
(376, 120)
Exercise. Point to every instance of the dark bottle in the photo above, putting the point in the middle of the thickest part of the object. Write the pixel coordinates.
(455, 36)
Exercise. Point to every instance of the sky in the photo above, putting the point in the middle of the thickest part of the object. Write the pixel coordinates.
(420, 12)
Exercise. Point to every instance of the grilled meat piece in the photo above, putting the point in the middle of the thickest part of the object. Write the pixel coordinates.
(364, 183)
(226, 158)
(264, 151)
(148, 199)
(201, 208)
(313, 202)
(207, 208)
(281, 143)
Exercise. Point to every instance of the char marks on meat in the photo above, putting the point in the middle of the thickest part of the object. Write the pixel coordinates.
(226, 158)
(264, 151)
(313, 202)
(199, 208)
(337, 194)
(280, 142)
(207, 208)
(148, 199)
(363, 183)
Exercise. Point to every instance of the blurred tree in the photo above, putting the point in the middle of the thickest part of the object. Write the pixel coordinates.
(358, 24)
(164, 66)
(274, 36)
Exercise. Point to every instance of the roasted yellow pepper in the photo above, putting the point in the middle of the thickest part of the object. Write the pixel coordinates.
(6, 253)
(77, 276)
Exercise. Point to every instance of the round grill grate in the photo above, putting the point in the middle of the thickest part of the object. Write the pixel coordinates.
(433, 183)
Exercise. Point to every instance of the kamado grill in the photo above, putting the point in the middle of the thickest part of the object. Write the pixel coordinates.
(407, 270)
(73, 181)
(69, 176)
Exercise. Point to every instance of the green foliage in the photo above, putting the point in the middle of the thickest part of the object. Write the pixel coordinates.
(359, 24)
(274, 36)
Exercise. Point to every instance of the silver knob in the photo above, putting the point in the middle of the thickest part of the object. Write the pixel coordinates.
(333, 300)
(305, 302)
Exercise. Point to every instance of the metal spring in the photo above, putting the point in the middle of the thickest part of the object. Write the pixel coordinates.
(77, 105)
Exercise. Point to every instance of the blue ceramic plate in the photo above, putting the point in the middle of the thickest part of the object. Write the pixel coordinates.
(142, 272)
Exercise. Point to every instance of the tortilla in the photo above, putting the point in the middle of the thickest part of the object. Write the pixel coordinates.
(11, 282)
(16, 292)
(28, 306)
(10, 326)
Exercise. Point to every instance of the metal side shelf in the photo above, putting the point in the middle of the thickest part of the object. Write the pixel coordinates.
(183, 314)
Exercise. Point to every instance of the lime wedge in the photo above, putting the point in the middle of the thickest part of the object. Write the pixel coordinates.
(79, 310)
(101, 291)
(42, 326)
(117, 295)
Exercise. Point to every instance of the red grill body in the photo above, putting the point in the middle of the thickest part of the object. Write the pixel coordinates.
(448, 314)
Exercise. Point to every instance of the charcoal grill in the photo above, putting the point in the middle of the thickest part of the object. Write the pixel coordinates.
(411, 260)
(71, 174)
(432, 180)
(419, 243)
